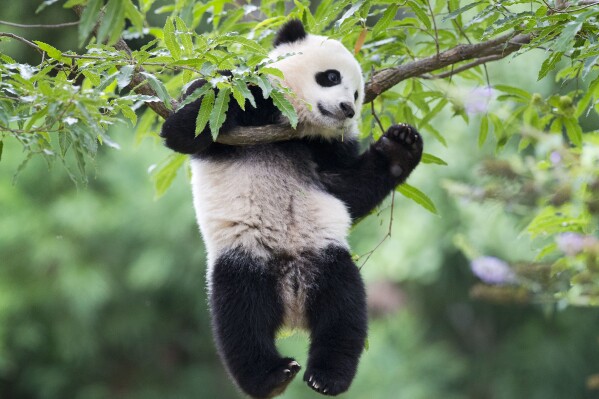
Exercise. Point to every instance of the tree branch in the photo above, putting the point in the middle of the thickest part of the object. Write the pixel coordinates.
(21, 39)
(380, 82)
(54, 26)
(138, 81)
(499, 48)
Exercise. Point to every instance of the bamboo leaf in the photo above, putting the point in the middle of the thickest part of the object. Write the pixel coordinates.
(219, 111)
(417, 196)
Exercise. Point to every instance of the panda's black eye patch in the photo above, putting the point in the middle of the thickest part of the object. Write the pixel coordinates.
(328, 78)
(356, 95)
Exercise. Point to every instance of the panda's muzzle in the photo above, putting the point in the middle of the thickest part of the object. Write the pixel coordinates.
(345, 110)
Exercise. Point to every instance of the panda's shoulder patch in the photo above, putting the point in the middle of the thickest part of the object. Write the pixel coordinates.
(291, 32)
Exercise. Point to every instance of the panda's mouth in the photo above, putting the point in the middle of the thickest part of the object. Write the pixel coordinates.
(339, 116)
(325, 111)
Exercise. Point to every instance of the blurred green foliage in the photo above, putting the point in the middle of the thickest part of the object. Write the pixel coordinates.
(102, 287)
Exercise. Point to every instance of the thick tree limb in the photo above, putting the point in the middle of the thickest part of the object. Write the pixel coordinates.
(498, 48)
(380, 82)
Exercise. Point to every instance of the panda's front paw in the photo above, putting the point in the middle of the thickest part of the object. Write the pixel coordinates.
(402, 146)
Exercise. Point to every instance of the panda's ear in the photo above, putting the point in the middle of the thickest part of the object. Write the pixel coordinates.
(291, 32)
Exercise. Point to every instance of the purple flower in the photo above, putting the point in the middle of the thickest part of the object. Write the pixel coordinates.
(478, 100)
(573, 243)
(492, 270)
(555, 158)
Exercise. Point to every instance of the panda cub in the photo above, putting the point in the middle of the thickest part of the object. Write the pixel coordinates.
(275, 217)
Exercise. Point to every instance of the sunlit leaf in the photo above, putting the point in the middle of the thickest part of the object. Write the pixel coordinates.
(219, 111)
(417, 196)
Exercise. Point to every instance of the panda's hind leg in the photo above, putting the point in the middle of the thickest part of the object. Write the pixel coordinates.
(337, 316)
(246, 311)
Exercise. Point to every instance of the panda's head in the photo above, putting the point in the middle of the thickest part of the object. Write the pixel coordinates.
(325, 78)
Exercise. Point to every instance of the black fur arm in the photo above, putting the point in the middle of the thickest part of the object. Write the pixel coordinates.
(363, 181)
(178, 130)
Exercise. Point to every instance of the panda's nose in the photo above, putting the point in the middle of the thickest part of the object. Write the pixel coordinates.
(348, 109)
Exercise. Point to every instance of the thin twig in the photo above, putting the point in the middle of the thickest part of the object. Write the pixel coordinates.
(55, 26)
(434, 26)
(388, 235)
(376, 118)
(21, 39)
(464, 67)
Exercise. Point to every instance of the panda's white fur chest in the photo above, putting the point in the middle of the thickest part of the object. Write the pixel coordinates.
(266, 203)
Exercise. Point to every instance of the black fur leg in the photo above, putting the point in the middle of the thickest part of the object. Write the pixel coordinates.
(338, 322)
(246, 312)
(402, 146)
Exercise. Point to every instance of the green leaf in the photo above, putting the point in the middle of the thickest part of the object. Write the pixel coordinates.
(417, 196)
(205, 111)
(420, 13)
(123, 78)
(385, 20)
(484, 130)
(432, 113)
(552, 220)
(197, 93)
(285, 107)
(158, 88)
(52, 52)
(219, 111)
(263, 83)
(460, 11)
(573, 130)
(134, 15)
(243, 89)
(129, 114)
(515, 92)
(113, 19)
(171, 40)
(549, 64)
(238, 96)
(272, 71)
(1, 149)
(164, 174)
(352, 10)
(429, 158)
(185, 37)
(246, 43)
(71, 3)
